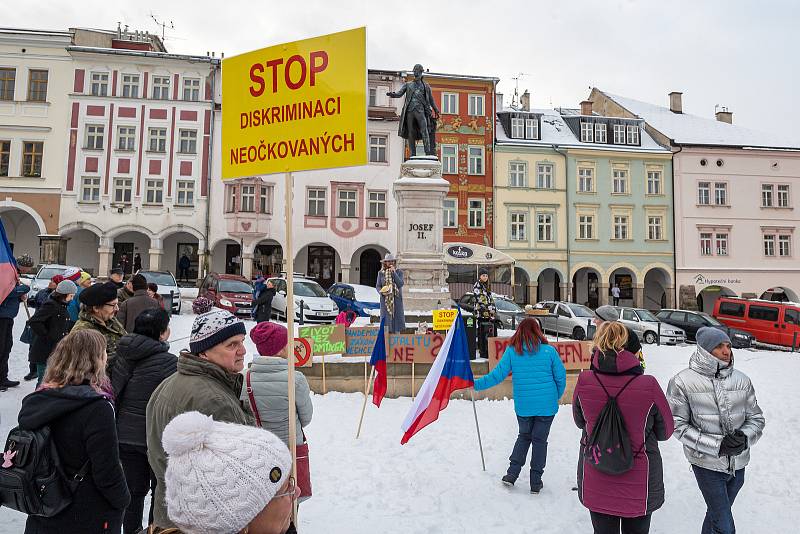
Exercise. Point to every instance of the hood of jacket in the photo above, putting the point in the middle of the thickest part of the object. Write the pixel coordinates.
(42, 407)
(191, 364)
(616, 363)
(705, 363)
(269, 364)
(135, 347)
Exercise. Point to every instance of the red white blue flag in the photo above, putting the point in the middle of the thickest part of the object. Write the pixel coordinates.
(378, 361)
(8, 266)
(450, 372)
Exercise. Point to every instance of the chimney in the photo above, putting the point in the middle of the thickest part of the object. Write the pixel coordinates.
(525, 100)
(499, 101)
(724, 115)
(676, 102)
(586, 107)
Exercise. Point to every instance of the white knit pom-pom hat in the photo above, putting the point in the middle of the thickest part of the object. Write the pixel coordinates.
(220, 475)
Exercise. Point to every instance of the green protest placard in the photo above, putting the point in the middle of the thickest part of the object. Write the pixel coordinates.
(326, 338)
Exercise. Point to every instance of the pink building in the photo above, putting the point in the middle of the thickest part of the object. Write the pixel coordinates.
(736, 215)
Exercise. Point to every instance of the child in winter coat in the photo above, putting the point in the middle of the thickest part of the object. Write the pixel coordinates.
(538, 378)
(717, 418)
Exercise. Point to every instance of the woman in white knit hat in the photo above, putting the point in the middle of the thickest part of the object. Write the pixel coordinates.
(224, 478)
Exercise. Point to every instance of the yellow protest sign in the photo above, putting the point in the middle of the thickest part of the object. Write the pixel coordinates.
(443, 319)
(296, 106)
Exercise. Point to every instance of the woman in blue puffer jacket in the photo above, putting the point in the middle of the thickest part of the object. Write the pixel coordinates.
(538, 379)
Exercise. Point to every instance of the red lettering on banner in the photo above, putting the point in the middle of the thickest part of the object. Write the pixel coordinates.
(255, 78)
(273, 63)
(287, 72)
(403, 354)
(438, 340)
(317, 63)
(317, 68)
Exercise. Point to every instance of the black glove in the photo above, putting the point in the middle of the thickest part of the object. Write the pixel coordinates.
(733, 444)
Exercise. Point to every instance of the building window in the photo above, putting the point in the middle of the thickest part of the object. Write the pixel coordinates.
(248, 204)
(586, 227)
(230, 198)
(619, 134)
(655, 225)
(158, 139)
(705, 244)
(518, 226)
(90, 189)
(517, 128)
(377, 148)
(449, 159)
(475, 106)
(769, 245)
(704, 193)
(347, 202)
(633, 135)
(620, 227)
(8, 78)
(373, 97)
(620, 181)
(188, 142)
(130, 86)
(475, 213)
(94, 136)
(191, 89)
(600, 133)
(265, 199)
(587, 132)
(32, 152)
(450, 103)
(544, 227)
(783, 196)
(123, 190)
(99, 85)
(5, 157)
(476, 160)
(160, 87)
(518, 174)
(722, 244)
(767, 191)
(653, 182)
(37, 86)
(154, 191)
(785, 246)
(544, 176)
(721, 193)
(126, 138)
(377, 204)
(316, 202)
(585, 179)
(531, 128)
(450, 213)
(185, 193)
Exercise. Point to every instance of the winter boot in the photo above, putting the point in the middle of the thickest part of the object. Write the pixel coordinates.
(508, 480)
(536, 487)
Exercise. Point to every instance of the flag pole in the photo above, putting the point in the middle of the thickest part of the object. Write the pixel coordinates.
(412, 381)
(477, 427)
(290, 358)
(364, 406)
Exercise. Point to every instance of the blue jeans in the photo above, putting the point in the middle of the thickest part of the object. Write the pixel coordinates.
(719, 491)
(532, 430)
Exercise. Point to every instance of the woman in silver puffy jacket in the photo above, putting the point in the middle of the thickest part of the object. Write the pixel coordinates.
(717, 418)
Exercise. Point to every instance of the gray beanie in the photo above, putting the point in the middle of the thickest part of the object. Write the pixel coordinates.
(66, 287)
(607, 313)
(710, 338)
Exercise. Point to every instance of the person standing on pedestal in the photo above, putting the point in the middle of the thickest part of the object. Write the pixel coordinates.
(390, 286)
(485, 311)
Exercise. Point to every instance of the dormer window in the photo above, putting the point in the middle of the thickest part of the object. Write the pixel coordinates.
(531, 128)
(600, 133)
(587, 132)
(633, 135)
(619, 134)
(517, 128)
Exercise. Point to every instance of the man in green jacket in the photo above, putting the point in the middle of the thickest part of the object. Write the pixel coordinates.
(98, 312)
(208, 381)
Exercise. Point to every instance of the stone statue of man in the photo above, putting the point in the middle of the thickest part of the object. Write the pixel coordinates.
(419, 113)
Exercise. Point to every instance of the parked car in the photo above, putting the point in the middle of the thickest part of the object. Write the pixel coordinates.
(568, 318)
(776, 323)
(230, 292)
(45, 273)
(356, 297)
(692, 321)
(167, 287)
(509, 314)
(317, 305)
(646, 326)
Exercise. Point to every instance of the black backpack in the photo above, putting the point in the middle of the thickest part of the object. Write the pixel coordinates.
(608, 448)
(32, 478)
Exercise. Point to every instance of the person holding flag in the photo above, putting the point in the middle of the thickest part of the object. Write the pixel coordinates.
(538, 379)
(12, 293)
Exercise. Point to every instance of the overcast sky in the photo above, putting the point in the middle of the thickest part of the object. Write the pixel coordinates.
(740, 54)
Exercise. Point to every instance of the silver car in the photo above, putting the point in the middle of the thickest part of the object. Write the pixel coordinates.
(646, 326)
(46, 272)
(567, 318)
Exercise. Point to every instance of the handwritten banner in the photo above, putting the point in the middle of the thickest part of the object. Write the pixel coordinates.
(576, 355)
(360, 341)
(326, 339)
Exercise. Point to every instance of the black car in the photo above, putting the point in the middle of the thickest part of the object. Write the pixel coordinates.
(692, 321)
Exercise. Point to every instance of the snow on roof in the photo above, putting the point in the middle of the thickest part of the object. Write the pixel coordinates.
(687, 129)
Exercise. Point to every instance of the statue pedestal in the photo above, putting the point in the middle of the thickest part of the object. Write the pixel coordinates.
(420, 191)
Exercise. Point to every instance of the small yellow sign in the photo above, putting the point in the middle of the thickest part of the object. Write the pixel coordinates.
(296, 106)
(443, 319)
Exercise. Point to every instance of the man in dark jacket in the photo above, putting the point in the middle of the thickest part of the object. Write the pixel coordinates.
(143, 362)
(116, 275)
(183, 267)
(50, 324)
(8, 311)
(263, 303)
(485, 311)
(139, 302)
(125, 292)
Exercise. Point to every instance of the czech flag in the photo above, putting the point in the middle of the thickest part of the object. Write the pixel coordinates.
(378, 361)
(450, 372)
(8, 266)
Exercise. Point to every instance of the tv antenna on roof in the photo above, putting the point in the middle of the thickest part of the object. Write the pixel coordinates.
(515, 97)
(163, 25)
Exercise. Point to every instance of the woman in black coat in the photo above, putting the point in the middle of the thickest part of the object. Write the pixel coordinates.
(74, 402)
(143, 361)
(264, 303)
(50, 324)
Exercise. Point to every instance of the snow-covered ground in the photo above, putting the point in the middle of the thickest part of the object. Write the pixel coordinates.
(434, 484)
